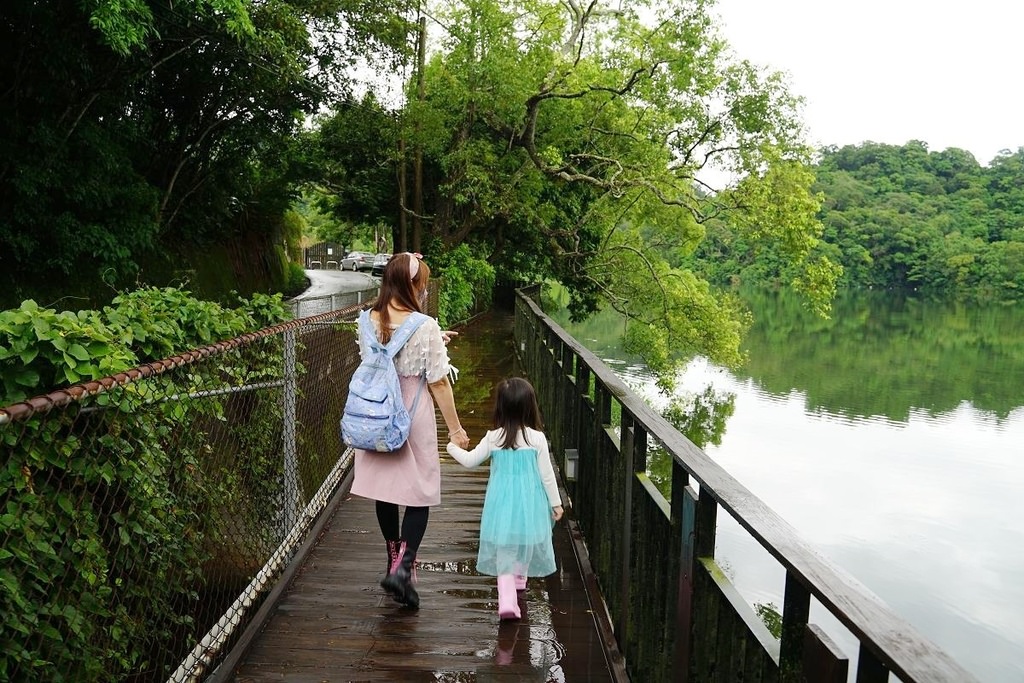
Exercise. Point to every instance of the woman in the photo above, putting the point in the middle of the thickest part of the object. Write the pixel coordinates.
(410, 476)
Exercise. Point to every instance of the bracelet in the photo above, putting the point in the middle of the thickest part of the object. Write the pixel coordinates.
(460, 429)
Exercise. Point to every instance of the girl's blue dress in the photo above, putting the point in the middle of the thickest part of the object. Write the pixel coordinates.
(515, 526)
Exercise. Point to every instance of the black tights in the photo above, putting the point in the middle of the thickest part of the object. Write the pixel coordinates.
(414, 523)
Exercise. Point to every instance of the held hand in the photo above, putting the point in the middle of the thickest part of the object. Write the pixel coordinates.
(556, 512)
(460, 438)
(446, 336)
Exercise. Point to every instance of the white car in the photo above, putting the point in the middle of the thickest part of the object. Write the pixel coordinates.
(357, 260)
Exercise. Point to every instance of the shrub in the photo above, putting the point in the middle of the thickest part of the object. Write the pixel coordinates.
(103, 520)
(468, 281)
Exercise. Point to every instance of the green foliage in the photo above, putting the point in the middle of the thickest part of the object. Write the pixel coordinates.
(314, 205)
(906, 218)
(102, 543)
(136, 127)
(701, 417)
(42, 349)
(888, 354)
(898, 218)
(554, 140)
(99, 545)
(771, 616)
(355, 149)
(293, 228)
(467, 285)
(297, 280)
(127, 24)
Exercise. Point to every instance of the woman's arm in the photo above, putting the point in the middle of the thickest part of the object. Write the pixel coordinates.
(445, 398)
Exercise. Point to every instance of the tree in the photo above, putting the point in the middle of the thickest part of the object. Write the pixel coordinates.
(134, 127)
(556, 135)
(901, 217)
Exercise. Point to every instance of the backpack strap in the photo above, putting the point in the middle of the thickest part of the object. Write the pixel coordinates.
(400, 336)
(366, 330)
(398, 339)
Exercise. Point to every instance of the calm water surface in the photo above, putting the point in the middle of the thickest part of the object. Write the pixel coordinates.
(891, 437)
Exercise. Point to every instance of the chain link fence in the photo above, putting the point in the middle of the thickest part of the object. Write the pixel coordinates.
(146, 515)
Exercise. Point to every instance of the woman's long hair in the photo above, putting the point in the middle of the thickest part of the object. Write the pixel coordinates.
(397, 288)
(515, 409)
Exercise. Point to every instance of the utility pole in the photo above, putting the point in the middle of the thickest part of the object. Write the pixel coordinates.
(417, 190)
(403, 220)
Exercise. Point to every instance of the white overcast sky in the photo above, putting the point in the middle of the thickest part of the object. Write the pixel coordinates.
(947, 73)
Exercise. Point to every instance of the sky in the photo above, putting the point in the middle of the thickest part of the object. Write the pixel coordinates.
(890, 71)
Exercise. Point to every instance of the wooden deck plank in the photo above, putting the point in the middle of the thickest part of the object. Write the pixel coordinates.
(335, 623)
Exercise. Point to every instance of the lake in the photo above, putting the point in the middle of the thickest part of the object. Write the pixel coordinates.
(890, 437)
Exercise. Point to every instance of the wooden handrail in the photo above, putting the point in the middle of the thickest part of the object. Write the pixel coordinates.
(884, 635)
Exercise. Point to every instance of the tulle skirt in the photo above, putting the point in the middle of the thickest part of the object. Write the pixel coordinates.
(515, 526)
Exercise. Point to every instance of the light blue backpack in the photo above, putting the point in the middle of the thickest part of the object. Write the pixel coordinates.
(375, 417)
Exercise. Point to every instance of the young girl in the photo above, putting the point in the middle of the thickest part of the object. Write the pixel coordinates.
(522, 496)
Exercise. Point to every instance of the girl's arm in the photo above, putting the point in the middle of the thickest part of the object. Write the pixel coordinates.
(474, 457)
(547, 473)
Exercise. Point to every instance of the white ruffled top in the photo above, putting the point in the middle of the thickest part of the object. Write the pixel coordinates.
(424, 352)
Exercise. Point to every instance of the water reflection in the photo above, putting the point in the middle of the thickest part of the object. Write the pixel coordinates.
(885, 355)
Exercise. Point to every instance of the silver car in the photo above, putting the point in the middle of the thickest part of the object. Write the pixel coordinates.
(357, 260)
(379, 261)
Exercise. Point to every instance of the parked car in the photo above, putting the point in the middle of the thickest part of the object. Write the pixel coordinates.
(357, 260)
(379, 261)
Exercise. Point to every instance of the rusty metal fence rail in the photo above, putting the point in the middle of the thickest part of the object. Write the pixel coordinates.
(150, 512)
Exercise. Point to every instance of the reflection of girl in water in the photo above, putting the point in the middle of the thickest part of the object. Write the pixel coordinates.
(522, 496)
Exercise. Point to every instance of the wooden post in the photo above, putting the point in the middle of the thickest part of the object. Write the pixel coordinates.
(625, 560)
(707, 523)
(687, 525)
(823, 660)
(796, 609)
(869, 668)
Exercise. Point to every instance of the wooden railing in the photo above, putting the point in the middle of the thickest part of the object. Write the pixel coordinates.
(676, 615)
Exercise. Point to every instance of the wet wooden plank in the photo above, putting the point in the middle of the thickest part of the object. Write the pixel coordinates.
(336, 624)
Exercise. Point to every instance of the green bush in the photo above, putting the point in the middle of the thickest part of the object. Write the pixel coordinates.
(468, 282)
(104, 516)
(297, 281)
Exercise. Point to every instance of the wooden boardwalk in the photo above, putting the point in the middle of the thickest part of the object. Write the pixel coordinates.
(334, 623)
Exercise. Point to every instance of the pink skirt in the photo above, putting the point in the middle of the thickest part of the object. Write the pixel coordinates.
(412, 474)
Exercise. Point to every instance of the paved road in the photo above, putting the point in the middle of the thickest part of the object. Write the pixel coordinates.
(330, 290)
(324, 282)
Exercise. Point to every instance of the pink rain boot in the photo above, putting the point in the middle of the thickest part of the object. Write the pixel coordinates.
(520, 577)
(403, 575)
(394, 554)
(508, 602)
